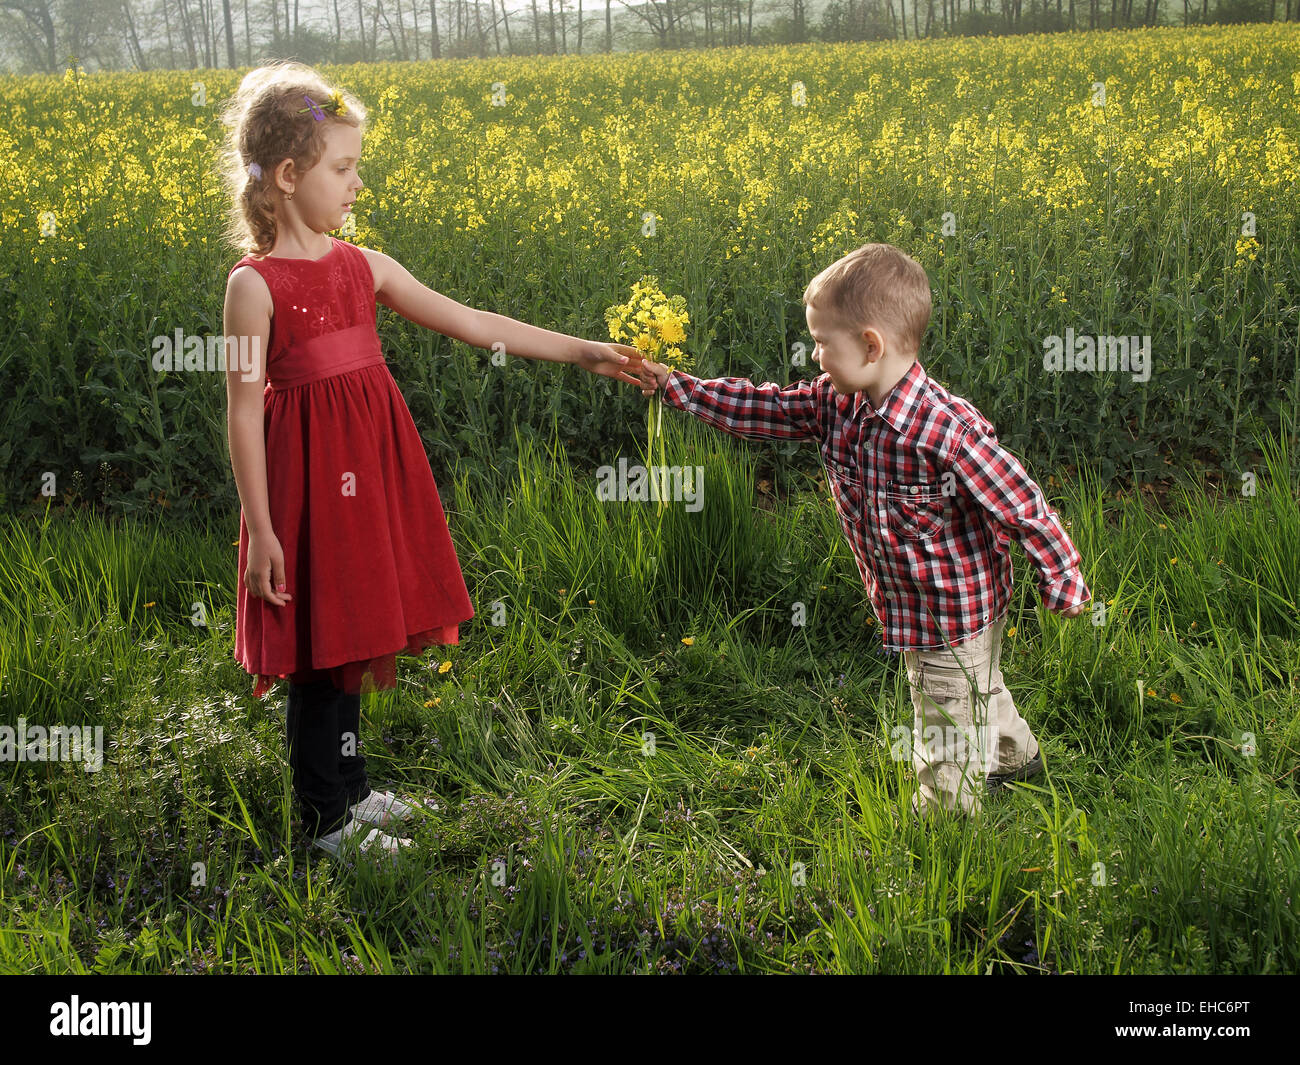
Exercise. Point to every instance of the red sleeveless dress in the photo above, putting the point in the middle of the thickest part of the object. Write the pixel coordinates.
(368, 557)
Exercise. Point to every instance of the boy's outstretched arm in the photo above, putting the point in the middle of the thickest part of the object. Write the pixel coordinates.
(738, 406)
(1000, 485)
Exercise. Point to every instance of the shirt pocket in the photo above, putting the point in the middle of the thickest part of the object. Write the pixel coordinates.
(915, 511)
(848, 490)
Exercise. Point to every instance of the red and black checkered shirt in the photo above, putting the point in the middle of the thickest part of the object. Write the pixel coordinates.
(927, 497)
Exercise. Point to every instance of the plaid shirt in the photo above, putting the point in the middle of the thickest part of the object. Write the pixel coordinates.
(927, 497)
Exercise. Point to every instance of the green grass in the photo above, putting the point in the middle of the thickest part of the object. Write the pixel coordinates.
(764, 831)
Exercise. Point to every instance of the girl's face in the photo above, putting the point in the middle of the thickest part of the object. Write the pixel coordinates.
(324, 195)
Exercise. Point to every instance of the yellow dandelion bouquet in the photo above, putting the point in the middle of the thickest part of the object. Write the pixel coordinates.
(654, 324)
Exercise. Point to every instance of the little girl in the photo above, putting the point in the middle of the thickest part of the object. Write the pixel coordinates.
(344, 553)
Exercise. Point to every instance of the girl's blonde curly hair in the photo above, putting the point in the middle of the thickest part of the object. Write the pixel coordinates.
(264, 126)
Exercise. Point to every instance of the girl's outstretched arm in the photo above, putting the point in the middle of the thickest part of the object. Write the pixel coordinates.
(397, 289)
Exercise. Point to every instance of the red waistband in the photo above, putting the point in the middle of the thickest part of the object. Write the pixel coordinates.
(326, 356)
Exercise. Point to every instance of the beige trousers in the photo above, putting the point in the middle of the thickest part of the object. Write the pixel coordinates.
(966, 724)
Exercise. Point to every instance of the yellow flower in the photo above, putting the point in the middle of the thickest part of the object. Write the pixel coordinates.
(652, 322)
(1173, 698)
(688, 640)
(444, 667)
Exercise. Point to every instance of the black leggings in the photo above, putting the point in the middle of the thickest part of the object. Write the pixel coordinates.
(323, 730)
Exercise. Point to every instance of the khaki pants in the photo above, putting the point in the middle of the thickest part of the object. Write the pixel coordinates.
(966, 724)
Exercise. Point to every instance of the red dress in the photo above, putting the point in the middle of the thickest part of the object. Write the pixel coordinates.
(368, 557)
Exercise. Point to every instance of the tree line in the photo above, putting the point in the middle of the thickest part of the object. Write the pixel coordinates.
(45, 36)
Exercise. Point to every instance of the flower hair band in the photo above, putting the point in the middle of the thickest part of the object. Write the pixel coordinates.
(334, 104)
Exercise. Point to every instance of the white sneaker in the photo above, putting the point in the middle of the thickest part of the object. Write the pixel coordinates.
(381, 808)
(376, 841)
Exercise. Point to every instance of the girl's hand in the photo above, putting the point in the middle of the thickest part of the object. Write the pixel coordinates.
(265, 568)
(604, 359)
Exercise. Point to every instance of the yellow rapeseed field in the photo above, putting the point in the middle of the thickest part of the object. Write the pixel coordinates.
(1135, 183)
(720, 145)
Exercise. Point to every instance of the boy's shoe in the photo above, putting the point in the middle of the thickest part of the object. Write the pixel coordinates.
(381, 808)
(932, 815)
(374, 841)
(1027, 771)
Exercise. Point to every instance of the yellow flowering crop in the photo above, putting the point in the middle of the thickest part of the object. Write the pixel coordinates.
(522, 184)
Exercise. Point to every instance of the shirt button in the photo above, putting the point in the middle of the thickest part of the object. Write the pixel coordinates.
(889, 595)
(915, 489)
(878, 554)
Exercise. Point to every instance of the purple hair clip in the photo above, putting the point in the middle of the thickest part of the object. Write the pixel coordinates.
(314, 108)
(255, 171)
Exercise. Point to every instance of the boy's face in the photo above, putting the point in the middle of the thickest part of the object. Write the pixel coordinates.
(850, 355)
(324, 194)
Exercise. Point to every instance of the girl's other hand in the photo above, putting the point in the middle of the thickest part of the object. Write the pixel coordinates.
(604, 359)
(266, 569)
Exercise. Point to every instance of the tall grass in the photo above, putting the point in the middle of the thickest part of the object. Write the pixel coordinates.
(614, 798)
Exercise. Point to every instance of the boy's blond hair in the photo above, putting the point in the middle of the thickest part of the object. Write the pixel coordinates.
(875, 285)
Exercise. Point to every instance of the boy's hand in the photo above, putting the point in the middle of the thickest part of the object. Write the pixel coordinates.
(1076, 610)
(604, 359)
(654, 375)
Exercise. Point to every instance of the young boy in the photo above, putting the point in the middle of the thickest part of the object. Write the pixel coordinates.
(929, 502)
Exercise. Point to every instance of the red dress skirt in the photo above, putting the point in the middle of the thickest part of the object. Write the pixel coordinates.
(368, 557)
